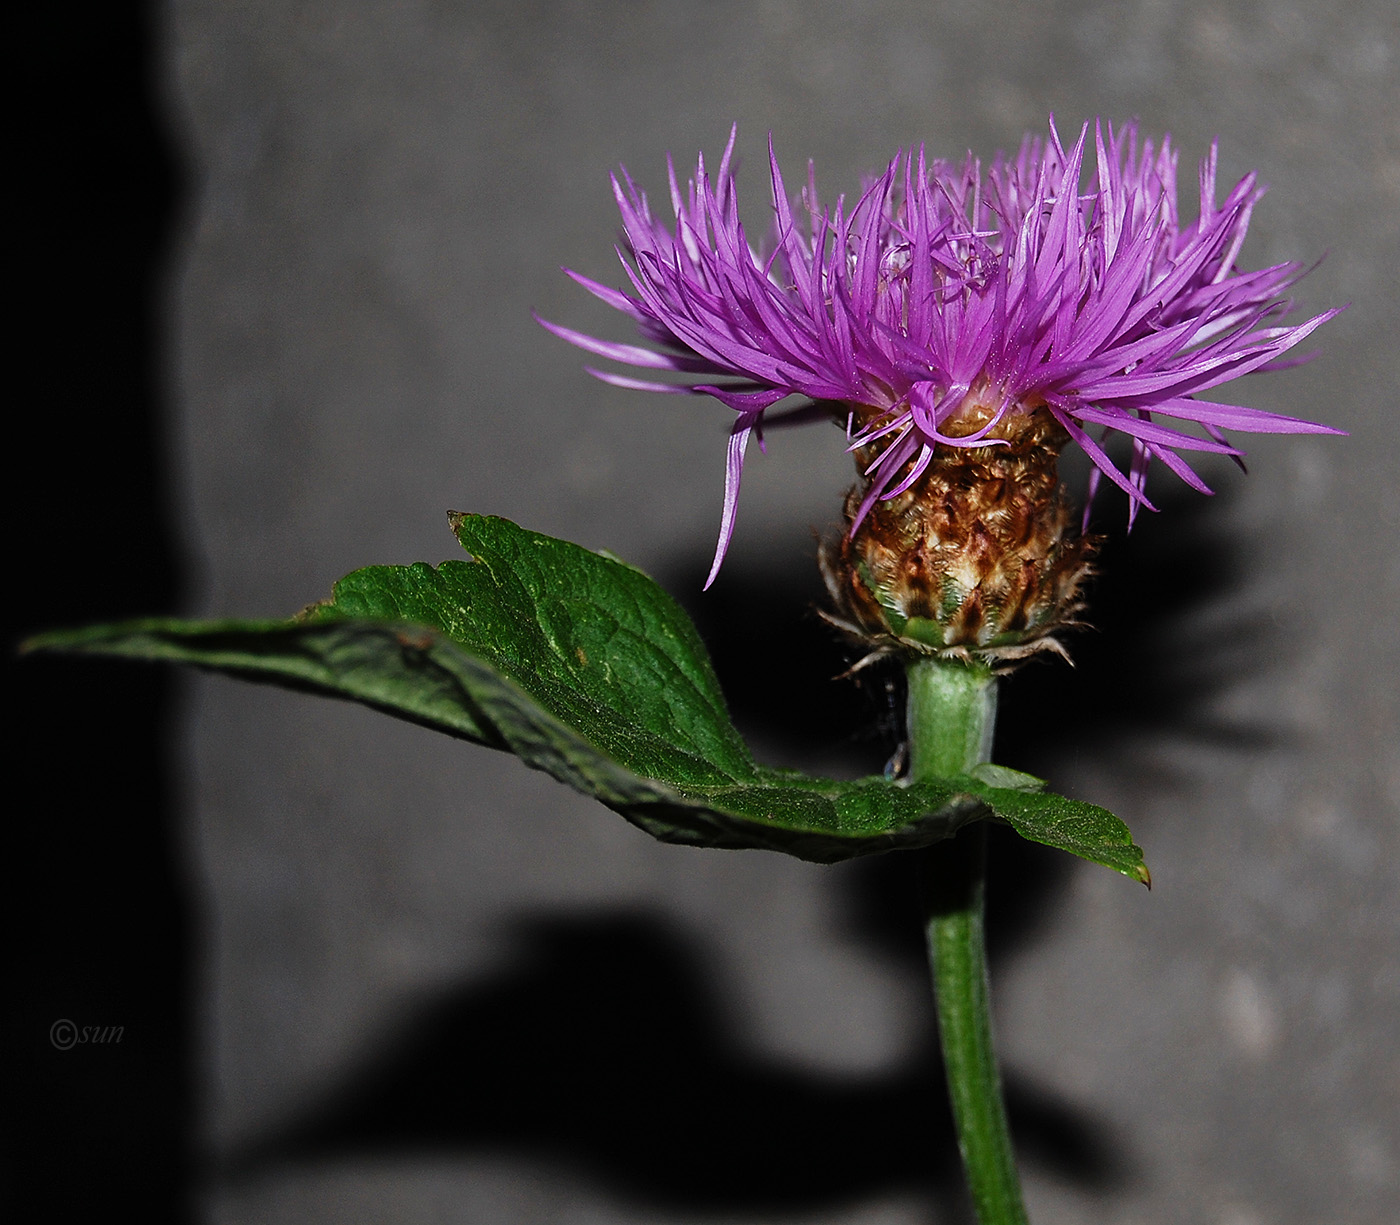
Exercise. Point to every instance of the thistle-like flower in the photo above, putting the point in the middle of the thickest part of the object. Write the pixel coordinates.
(964, 325)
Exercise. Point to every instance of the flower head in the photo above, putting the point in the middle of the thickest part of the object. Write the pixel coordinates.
(951, 300)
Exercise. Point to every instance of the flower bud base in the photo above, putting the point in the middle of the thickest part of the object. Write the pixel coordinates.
(978, 559)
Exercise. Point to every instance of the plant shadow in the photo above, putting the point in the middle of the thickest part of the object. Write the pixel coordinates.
(605, 1050)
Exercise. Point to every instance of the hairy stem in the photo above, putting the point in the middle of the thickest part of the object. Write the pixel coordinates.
(952, 712)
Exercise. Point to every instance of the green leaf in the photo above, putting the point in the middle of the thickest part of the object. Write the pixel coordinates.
(583, 667)
(1086, 830)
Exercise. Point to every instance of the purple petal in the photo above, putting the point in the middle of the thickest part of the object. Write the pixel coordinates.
(943, 278)
(733, 472)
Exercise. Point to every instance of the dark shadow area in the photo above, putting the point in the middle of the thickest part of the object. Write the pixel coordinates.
(1153, 660)
(880, 898)
(781, 667)
(605, 1049)
(97, 1056)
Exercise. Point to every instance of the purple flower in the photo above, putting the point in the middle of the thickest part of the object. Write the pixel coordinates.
(949, 297)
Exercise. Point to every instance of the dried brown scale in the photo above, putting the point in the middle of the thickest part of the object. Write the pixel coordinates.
(979, 558)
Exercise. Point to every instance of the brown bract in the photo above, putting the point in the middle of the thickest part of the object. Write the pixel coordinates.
(979, 558)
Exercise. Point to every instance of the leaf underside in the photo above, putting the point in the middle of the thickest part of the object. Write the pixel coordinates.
(583, 667)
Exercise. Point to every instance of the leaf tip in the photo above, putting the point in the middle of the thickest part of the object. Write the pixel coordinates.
(30, 645)
(459, 521)
(56, 642)
(1141, 873)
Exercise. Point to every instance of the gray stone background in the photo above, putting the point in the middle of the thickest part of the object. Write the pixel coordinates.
(389, 922)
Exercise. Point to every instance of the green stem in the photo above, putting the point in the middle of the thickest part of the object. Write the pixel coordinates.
(952, 712)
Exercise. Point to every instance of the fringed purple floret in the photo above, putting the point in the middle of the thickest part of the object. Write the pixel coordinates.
(944, 287)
